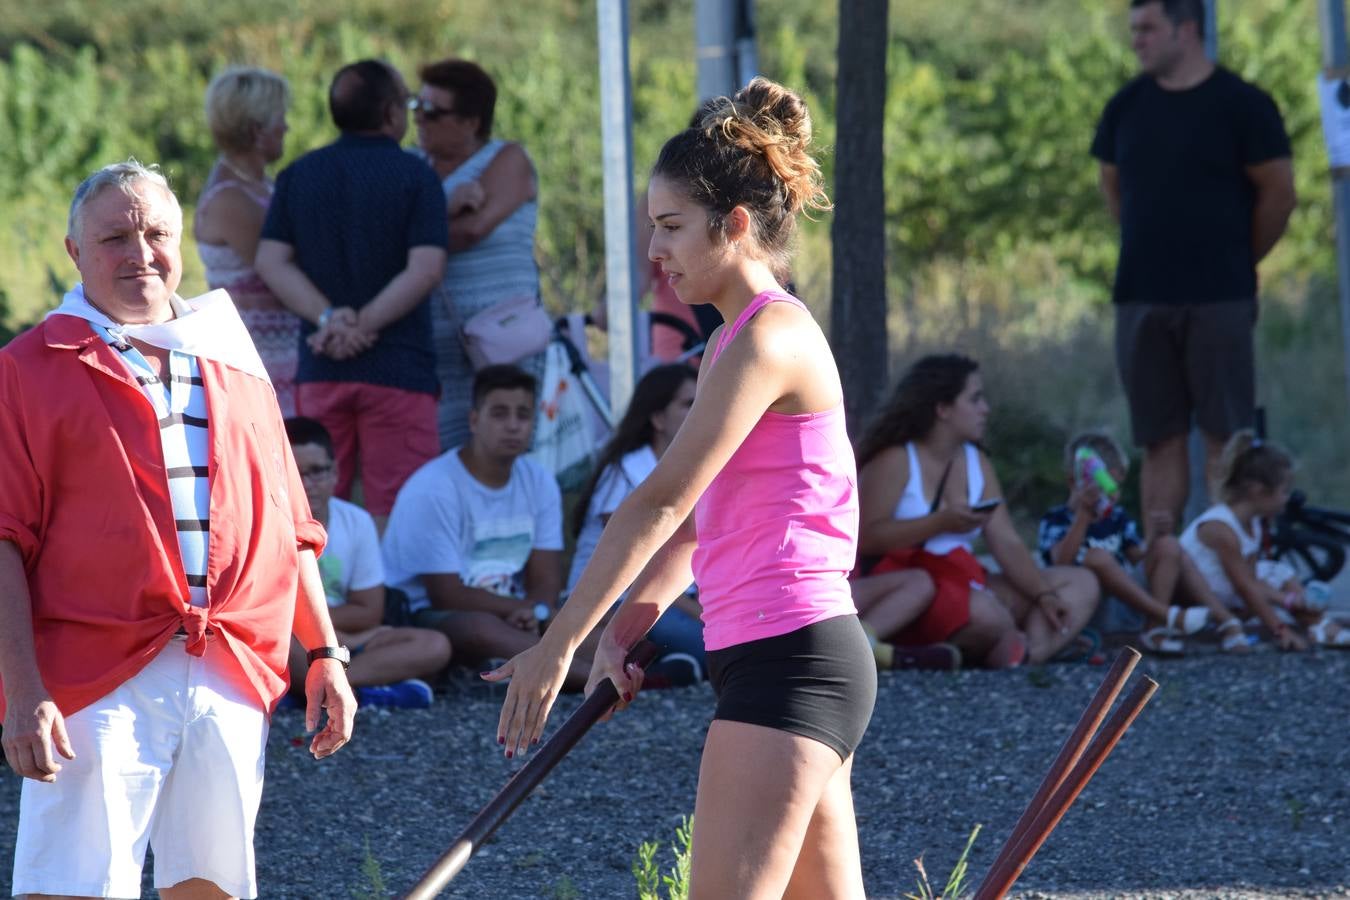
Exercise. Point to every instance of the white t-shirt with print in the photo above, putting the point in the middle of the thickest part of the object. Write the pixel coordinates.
(445, 521)
(351, 559)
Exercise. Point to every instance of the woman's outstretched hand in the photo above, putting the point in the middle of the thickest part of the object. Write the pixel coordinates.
(536, 676)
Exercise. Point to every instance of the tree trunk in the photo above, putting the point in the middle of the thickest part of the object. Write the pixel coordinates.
(858, 307)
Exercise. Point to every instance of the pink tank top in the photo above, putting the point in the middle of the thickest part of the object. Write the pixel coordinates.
(778, 526)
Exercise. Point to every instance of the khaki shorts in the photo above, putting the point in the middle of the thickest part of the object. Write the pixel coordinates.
(1187, 364)
(172, 757)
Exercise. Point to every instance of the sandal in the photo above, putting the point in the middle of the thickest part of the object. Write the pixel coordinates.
(1162, 641)
(1184, 620)
(1330, 633)
(1234, 637)
(1010, 651)
(939, 657)
(1085, 647)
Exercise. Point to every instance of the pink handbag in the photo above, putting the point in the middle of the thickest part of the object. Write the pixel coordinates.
(506, 332)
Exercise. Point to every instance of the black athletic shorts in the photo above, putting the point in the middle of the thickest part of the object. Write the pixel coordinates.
(819, 682)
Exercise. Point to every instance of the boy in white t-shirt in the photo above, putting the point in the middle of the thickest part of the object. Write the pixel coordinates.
(475, 536)
(388, 663)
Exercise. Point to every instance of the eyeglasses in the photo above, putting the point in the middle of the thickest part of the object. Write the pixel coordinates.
(425, 110)
(316, 473)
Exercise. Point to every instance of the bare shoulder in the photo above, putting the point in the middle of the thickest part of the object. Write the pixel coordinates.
(892, 462)
(1218, 536)
(785, 332)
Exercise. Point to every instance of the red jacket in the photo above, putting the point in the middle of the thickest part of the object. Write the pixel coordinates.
(84, 496)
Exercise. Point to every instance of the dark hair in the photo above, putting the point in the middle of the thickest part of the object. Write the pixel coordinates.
(750, 150)
(501, 377)
(300, 430)
(1101, 443)
(474, 90)
(1249, 461)
(361, 93)
(654, 392)
(1179, 12)
(912, 411)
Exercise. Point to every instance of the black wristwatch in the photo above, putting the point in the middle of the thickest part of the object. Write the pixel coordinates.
(341, 654)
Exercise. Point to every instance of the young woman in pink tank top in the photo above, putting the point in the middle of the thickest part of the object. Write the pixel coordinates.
(756, 498)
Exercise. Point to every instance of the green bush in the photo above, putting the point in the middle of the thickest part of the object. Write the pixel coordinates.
(997, 237)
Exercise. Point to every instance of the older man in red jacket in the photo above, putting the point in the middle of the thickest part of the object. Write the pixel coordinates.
(156, 552)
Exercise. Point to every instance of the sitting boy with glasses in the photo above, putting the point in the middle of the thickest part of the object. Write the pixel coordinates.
(388, 663)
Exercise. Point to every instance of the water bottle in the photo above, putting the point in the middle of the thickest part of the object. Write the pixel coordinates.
(1089, 468)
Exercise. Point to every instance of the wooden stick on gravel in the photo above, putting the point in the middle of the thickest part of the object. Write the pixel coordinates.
(549, 754)
(1073, 748)
(1082, 754)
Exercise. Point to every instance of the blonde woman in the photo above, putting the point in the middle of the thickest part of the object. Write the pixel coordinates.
(246, 111)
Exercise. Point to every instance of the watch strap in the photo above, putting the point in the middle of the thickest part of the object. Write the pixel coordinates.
(341, 654)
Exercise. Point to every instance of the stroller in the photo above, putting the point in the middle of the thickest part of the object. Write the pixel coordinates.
(593, 376)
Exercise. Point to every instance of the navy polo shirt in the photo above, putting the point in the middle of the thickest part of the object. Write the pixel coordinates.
(352, 210)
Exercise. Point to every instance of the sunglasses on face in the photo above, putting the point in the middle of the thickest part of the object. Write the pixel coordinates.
(425, 110)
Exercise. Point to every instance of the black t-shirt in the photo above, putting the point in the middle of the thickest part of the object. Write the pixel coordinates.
(1185, 199)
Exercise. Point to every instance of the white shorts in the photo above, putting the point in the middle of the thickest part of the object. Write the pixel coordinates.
(173, 758)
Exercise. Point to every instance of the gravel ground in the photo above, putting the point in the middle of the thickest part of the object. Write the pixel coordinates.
(1232, 783)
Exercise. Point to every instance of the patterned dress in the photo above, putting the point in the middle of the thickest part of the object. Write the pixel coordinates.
(275, 331)
(499, 267)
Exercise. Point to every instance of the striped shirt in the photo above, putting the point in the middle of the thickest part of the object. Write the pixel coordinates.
(180, 407)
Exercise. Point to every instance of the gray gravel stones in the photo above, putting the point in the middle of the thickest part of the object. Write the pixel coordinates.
(1232, 783)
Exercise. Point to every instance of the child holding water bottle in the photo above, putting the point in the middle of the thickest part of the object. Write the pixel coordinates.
(1095, 531)
(1225, 541)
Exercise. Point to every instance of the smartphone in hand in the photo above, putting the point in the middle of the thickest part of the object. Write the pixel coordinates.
(985, 506)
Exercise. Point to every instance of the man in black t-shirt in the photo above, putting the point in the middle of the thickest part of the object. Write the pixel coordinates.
(1195, 165)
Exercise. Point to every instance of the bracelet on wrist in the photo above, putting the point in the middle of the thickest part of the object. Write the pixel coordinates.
(324, 316)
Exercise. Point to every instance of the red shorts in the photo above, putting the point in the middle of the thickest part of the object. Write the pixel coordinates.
(954, 575)
(388, 432)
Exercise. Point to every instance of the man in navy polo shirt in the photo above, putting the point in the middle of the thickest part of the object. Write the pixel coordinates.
(354, 242)
(1195, 165)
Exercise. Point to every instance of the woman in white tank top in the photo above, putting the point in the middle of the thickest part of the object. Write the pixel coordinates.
(927, 491)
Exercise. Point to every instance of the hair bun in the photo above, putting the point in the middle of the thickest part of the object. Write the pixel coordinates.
(768, 120)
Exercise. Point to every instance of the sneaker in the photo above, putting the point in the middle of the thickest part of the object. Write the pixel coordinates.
(673, 670)
(412, 693)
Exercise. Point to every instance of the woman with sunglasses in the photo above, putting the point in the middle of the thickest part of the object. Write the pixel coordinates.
(492, 200)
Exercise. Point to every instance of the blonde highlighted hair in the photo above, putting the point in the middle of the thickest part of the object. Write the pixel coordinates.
(241, 100)
(752, 150)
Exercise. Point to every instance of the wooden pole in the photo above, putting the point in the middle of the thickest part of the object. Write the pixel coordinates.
(500, 807)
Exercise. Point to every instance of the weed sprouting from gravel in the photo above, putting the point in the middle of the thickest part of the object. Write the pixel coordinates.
(648, 872)
(956, 881)
(374, 887)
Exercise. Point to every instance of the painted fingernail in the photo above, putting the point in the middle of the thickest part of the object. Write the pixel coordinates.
(484, 674)
(534, 741)
(627, 697)
(509, 754)
(500, 739)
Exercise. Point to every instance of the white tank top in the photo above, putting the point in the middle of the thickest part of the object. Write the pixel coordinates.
(913, 504)
(1207, 561)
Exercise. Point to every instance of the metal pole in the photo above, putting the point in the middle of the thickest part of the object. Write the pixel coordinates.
(1197, 499)
(715, 41)
(616, 134)
(747, 53)
(1336, 64)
